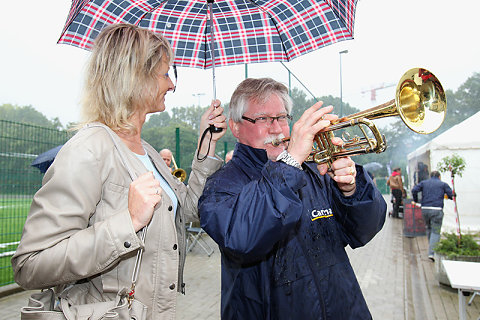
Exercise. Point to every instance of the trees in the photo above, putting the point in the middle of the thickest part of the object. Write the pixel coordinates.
(301, 103)
(464, 102)
(455, 164)
(164, 137)
(27, 114)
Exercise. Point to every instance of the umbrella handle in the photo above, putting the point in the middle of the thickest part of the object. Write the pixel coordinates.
(212, 46)
(212, 128)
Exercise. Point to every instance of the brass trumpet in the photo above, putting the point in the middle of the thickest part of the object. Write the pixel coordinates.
(179, 173)
(419, 101)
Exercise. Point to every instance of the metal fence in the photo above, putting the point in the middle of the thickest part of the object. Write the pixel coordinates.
(381, 183)
(20, 144)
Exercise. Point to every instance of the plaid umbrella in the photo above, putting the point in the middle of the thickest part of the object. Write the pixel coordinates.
(227, 32)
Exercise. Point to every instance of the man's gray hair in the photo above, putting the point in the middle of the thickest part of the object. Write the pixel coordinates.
(256, 90)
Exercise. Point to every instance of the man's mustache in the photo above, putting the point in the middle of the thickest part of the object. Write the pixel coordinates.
(274, 137)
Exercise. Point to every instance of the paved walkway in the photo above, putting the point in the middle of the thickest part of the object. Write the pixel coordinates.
(395, 275)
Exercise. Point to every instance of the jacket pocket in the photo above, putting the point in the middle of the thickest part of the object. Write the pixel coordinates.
(117, 188)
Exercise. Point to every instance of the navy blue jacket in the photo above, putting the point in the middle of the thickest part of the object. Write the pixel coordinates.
(433, 191)
(282, 233)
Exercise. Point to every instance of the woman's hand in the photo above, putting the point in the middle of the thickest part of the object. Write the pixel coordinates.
(213, 116)
(143, 195)
(304, 130)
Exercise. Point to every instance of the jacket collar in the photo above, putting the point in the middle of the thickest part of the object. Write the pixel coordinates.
(252, 157)
(257, 158)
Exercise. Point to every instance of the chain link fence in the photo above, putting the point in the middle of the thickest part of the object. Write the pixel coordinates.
(20, 144)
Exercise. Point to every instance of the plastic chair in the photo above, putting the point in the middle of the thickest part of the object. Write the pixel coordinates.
(194, 237)
(475, 293)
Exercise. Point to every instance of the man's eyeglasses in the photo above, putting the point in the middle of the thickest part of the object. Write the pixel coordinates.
(174, 67)
(284, 119)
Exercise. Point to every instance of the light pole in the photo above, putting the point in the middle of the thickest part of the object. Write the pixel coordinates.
(198, 95)
(341, 98)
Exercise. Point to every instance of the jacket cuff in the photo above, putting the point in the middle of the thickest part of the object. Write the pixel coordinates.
(122, 233)
(290, 176)
(207, 166)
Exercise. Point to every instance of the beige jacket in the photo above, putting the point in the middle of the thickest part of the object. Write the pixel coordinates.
(79, 226)
(395, 182)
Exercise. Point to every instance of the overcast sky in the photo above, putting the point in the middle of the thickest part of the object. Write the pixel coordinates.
(391, 37)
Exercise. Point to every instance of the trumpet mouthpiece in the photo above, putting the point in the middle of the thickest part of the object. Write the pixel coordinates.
(277, 142)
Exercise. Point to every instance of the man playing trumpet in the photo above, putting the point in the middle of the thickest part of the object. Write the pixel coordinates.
(281, 223)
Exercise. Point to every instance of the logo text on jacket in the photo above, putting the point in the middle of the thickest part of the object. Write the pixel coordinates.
(319, 214)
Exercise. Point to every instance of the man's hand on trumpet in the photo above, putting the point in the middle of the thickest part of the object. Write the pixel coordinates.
(303, 133)
(342, 171)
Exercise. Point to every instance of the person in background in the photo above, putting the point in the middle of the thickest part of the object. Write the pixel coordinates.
(433, 193)
(421, 173)
(82, 228)
(396, 185)
(282, 224)
(228, 156)
(167, 155)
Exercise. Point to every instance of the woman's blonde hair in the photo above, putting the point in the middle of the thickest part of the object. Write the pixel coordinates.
(122, 75)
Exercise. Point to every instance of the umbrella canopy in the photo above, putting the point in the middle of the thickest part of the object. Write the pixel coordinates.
(245, 31)
(44, 160)
(372, 166)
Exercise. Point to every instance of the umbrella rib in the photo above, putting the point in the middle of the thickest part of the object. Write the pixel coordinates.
(346, 24)
(71, 18)
(150, 11)
(275, 25)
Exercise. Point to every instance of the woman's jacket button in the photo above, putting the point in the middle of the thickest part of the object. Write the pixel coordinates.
(175, 246)
(170, 208)
(127, 244)
(172, 286)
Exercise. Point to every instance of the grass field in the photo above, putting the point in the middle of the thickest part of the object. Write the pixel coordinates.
(13, 212)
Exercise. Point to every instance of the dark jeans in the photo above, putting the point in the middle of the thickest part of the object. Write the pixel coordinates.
(433, 222)
(397, 195)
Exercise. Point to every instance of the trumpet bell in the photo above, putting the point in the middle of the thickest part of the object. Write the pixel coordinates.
(420, 101)
(180, 174)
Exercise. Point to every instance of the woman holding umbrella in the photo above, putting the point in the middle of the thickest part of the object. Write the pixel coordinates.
(85, 226)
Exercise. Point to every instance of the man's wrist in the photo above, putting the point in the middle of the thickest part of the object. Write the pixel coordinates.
(287, 158)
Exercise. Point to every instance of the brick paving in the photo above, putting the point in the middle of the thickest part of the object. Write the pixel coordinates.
(396, 277)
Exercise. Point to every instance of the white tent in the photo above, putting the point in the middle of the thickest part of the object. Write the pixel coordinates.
(464, 140)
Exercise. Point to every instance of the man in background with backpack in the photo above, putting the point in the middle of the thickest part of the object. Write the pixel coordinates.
(396, 185)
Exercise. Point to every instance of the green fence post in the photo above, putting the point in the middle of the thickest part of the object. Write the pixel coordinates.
(177, 148)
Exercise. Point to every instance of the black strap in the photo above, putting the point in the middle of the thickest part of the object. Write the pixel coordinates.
(209, 129)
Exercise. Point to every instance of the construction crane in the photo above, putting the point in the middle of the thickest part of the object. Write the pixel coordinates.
(373, 91)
